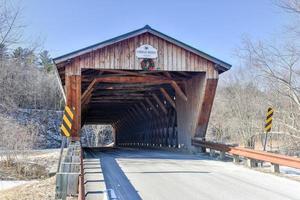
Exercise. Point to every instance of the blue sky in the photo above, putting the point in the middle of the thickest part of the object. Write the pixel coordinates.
(215, 26)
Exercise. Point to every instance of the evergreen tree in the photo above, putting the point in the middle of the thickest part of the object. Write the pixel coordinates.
(3, 52)
(46, 61)
(24, 56)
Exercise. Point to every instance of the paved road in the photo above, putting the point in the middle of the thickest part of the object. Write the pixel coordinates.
(152, 174)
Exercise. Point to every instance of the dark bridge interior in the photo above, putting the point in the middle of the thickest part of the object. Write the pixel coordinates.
(140, 105)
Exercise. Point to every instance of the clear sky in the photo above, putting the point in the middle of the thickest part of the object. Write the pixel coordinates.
(213, 26)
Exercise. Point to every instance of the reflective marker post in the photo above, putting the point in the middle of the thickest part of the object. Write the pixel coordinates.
(268, 125)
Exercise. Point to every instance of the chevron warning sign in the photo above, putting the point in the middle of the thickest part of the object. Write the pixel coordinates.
(66, 125)
(269, 119)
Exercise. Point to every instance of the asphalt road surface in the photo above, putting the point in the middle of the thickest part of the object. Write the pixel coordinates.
(132, 174)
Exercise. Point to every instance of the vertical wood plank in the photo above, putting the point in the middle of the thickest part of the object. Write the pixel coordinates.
(97, 60)
(106, 63)
(131, 54)
(170, 57)
(160, 54)
(165, 54)
(178, 58)
(126, 55)
(112, 57)
(188, 63)
(174, 58)
(183, 60)
(136, 61)
(117, 49)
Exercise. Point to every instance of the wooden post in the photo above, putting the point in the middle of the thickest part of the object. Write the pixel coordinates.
(236, 159)
(188, 111)
(73, 95)
(211, 152)
(275, 168)
(251, 163)
(222, 155)
(207, 102)
(193, 114)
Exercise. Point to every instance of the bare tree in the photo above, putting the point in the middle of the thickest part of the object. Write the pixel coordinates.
(238, 110)
(240, 106)
(292, 6)
(278, 69)
(97, 135)
(9, 24)
(13, 143)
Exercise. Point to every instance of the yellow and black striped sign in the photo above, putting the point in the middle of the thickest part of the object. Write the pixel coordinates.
(269, 119)
(66, 125)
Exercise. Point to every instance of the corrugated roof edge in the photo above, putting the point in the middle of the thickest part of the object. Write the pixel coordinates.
(221, 65)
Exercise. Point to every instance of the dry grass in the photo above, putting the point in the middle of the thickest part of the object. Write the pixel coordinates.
(23, 171)
(40, 190)
(38, 163)
(34, 164)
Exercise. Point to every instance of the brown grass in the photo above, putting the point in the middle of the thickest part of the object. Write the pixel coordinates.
(40, 190)
(23, 171)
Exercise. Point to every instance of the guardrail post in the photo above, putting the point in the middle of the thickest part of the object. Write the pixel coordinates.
(236, 159)
(250, 162)
(222, 155)
(275, 168)
(211, 152)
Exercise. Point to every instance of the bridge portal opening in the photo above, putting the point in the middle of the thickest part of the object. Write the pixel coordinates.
(97, 135)
(153, 89)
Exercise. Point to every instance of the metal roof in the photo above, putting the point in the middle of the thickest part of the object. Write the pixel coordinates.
(220, 65)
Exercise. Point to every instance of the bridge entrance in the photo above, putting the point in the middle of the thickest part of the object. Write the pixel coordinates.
(153, 89)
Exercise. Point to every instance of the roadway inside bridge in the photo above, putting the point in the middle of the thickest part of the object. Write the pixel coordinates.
(155, 174)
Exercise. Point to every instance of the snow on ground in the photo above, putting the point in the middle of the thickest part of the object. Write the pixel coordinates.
(289, 171)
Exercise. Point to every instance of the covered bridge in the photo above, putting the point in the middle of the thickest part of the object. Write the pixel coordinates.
(152, 88)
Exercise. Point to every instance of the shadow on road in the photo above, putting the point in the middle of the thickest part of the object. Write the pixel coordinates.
(170, 172)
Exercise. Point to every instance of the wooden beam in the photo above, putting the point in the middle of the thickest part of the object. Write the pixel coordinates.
(88, 90)
(112, 94)
(167, 96)
(86, 100)
(145, 109)
(152, 106)
(137, 113)
(123, 91)
(139, 110)
(129, 86)
(134, 120)
(185, 74)
(124, 72)
(161, 105)
(119, 97)
(135, 79)
(178, 90)
(167, 74)
(113, 101)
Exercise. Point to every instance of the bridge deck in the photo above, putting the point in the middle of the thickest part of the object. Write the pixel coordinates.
(153, 174)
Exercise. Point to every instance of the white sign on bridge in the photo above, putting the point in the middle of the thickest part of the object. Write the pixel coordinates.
(146, 51)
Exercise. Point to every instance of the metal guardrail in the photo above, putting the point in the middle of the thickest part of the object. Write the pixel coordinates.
(250, 153)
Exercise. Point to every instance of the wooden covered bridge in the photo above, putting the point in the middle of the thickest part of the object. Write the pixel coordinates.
(152, 88)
